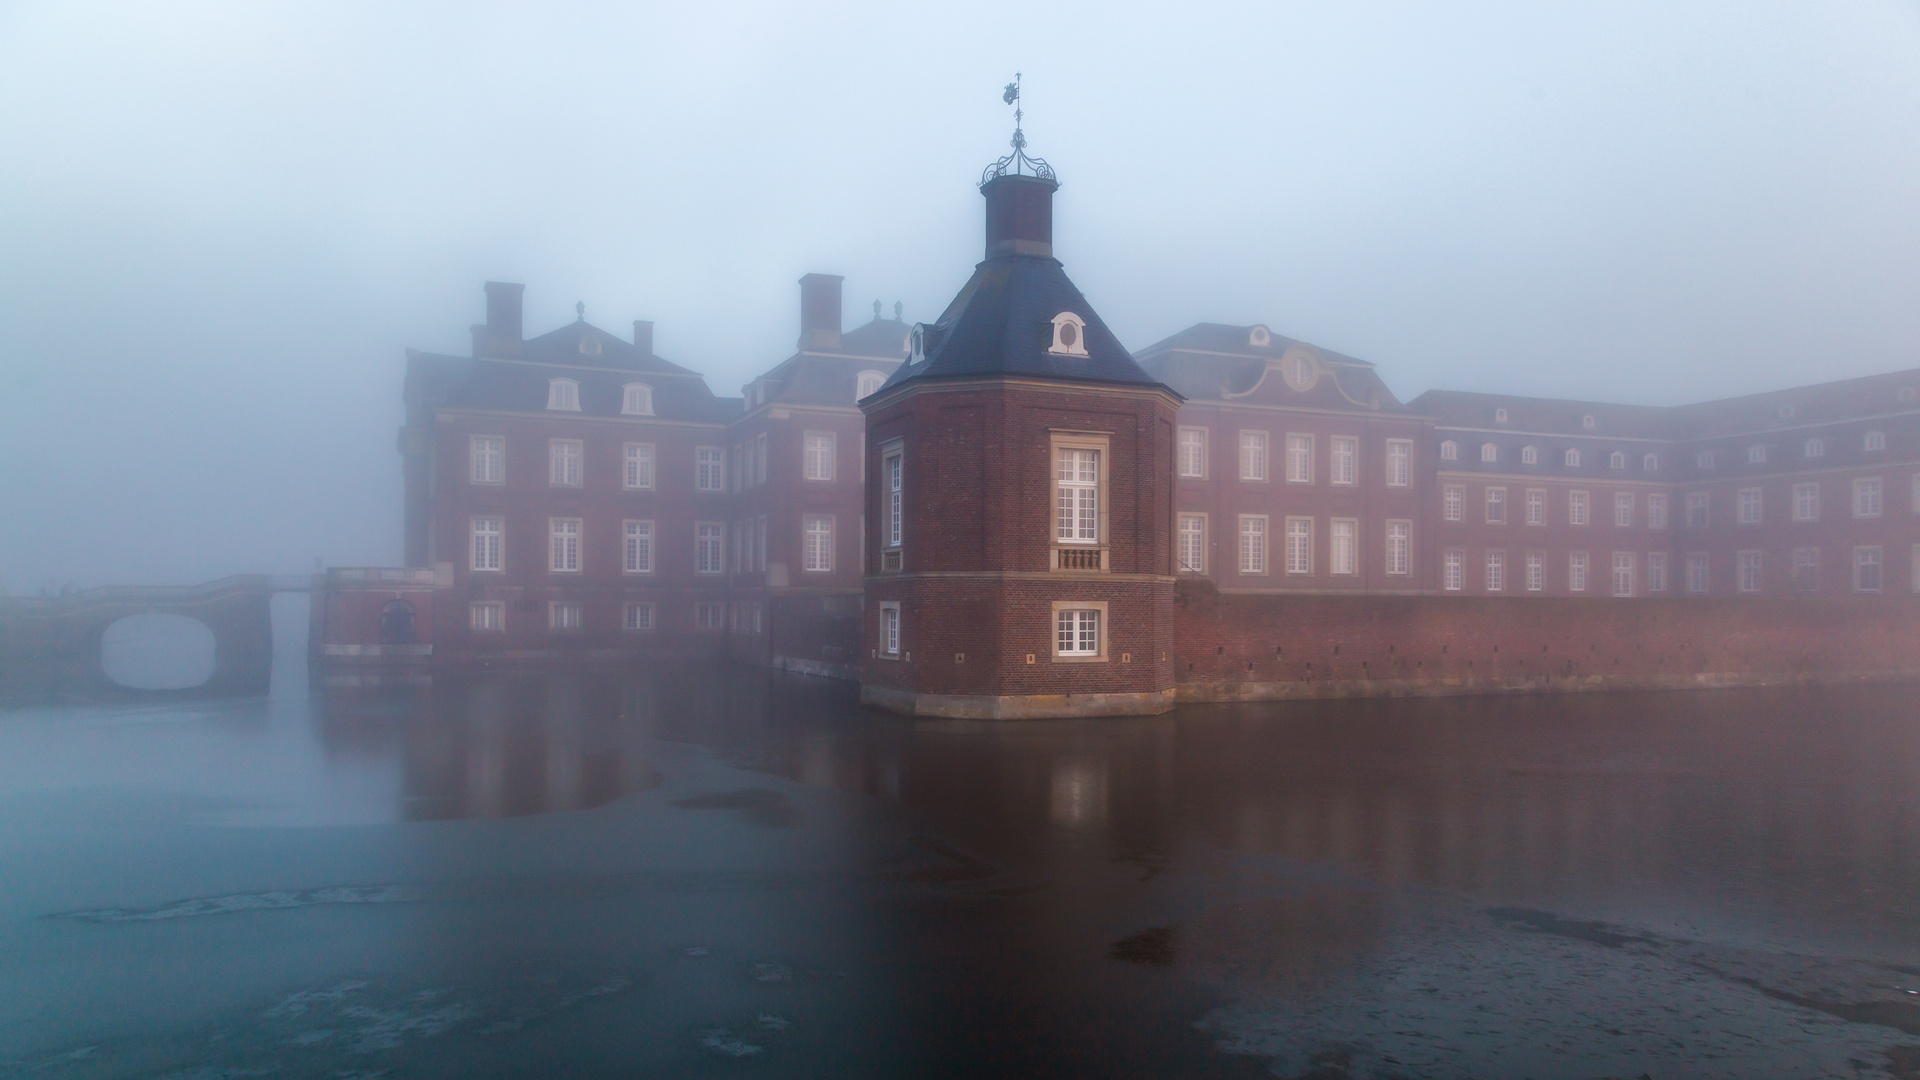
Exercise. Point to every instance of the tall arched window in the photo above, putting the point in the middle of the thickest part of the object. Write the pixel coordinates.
(563, 394)
(638, 400)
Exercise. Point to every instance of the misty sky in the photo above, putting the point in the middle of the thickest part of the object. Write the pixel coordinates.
(221, 224)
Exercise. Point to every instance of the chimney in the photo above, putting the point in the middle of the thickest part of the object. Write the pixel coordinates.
(820, 311)
(501, 334)
(1019, 215)
(643, 336)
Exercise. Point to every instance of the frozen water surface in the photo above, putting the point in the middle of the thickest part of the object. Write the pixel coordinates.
(719, 872)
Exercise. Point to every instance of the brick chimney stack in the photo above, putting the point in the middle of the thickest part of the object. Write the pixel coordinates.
(820, 311)
(501, 336)
(1019, 215)
(643, 336)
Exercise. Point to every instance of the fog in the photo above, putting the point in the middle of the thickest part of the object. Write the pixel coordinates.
(222, 224)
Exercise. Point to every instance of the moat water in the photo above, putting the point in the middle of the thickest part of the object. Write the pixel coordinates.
(722, 872)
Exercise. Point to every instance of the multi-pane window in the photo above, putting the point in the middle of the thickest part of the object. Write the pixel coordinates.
(1703, 460)
(1577, 571)
(637, 400)
(1656, 510)
(487, 533)
(819, 455)
(637, 615)
(638, 473)
(1193, 542)
(1696, 571)
(636, 553)
(1299, 459)
(1529, 455)
(1814, 448)
(1651, 463)
(1345, 466)
(867, 383)
(487, 459)
(1453, 502)
(709, 468)
(893, 468)
(1623, 508)
(563, 394)
(1875, 440)
(1342, 539)
(1299, 545)
(1077, 631)
(1496, 506)
(563, 616)
(1253, 544)
(1496, 571)
(563, 462)
(1656, 571)
(1806, 569)
(890, 629)
(816, 543)
(1489, 453)
(1617, 460)
(1756, 455)
(1747, 571)
(1253, 455)
(1536, 506)
(1453, 569)
(1697, 510)
(1536, 571)
(563, 547)
(1400, 463)
(1747, 506)
(707, 615)
(1806, 502)
(1449, 451)
(1572, 458)
(709, 547)
(487, 615)
(1866, 497)
(1866, 569)
(1623, 573)
(1576, 508)
(1193, 452)
(1399, 547)
(1077, 495)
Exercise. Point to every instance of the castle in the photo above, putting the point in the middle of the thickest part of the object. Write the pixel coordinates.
(1006, 512)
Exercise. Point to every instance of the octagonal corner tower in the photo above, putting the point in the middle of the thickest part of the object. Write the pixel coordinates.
(1019, 503)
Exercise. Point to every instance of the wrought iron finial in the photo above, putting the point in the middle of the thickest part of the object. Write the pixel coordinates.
(1017, 163)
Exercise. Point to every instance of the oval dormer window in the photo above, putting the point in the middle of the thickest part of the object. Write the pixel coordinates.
(1069, 335)
(1299, 370)
(1499, 416)
(917, 345)
(637, 401)
(1259, 338)
(563, 394)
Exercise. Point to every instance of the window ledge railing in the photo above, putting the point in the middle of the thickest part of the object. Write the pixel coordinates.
(1080, 558)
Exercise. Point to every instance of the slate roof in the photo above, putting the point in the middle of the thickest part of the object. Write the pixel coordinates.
(1217, 362)
(1558, 416)
(583, 344)
(829, 377)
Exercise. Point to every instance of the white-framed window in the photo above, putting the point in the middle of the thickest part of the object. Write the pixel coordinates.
(1453, 502)
(563, 545)
(1747, 506)
(709, 468)
(1253, 455)
(1077, 632)
(1572, 457)
(1577, 571)
(1814, 448)
(636, 549)
(1076, 495)
(1496, 506)
(1529, 455)
(564, 462)
(816, 543)
(563, 395)
(1747, 576)
(487, 616)
(637, 615)
(1400, 463)
(1489, 453)
(1193, 452)
(890, 628)
(893, 468)
(1577, 508)
(1299, 545)
(1697, 578)
(563, 616)
(1866, 497)
(867, 382)
(1449, 451)
(1344, 468)
(1874, 440)
(708, 615)
(1069, 335)
(1453, 569)
(1499, 416)
(1536, 571)
(709, 547)
(1587, 422)
(488, 534)
(1806, 502)
(636, 399)
(1656, 510)
(1650, 463)
(1806, 569)
(487, 459)
(1343, 541)
(1193, 543)
(1623, 574)
(1703, 461)
(1399, 547)
(1253, 544)
(1536, 506)
(1623, 509)
(1617, 460)
(1496, 571)
(1656, 571)
(1866, 569)
(1299, 459)
(760, 458)
(637, 473)
(819, 455)
(1756, 455)
(1697, 510)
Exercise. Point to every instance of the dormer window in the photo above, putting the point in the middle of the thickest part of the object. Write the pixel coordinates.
(917, 345)
(1875, 440)
(1489, 452)
(1449, 451)
(867, 383)
(1259, 338)
(563, 394)
(1499, 416)
(1069, 335)
(1756, 455)
(1300, 371)
(1618, 460)
(1573, 458)
(1815, 448)
(589, 345)
(1650, 463)
(637, 401)
(1529, 455)
(1587, 422)
(1703, 460)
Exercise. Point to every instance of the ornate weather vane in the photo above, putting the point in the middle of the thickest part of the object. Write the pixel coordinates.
(1017, 163)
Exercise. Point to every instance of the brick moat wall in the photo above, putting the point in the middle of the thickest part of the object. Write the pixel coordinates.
(1238, 646)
